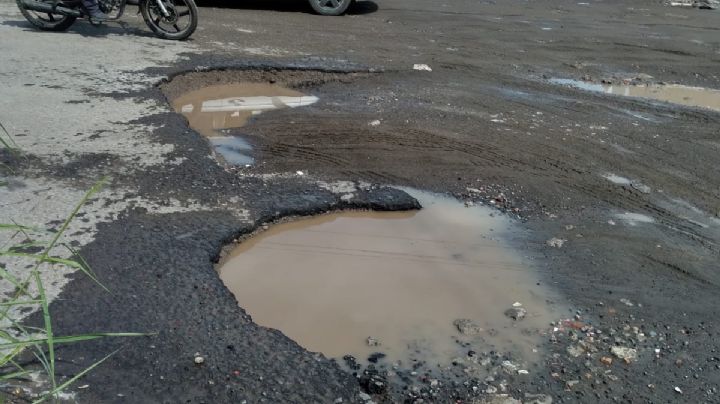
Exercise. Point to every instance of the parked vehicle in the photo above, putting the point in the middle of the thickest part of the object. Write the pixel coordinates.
(168, 19)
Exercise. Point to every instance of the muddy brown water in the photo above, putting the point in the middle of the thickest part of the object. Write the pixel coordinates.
(330, 282)
(211, 109)
(673, 93)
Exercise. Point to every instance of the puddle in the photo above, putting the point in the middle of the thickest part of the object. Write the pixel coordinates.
(676, 94)
(330, 282)
(212, 109)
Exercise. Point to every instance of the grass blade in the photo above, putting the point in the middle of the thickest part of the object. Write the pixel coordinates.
(73, 379)
(69, 339)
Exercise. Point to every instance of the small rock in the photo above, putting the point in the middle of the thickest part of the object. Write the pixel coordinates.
(640, 187)
(555, 242)
(365, 397)
(467, 327)
(575, 351)
(627, 302)
(606, 360)
(338, 400)
(571, 383)
(299, 173)
(199, 360)
(537, 399)
(624, 353)
(373, 341)
(516, 313)
(375, 357)
(374, 123)
(509, 366)
(523, 372)
(678, 390)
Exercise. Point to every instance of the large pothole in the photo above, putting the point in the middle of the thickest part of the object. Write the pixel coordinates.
(400, 288)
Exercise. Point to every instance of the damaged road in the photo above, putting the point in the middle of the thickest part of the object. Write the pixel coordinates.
(618, 197)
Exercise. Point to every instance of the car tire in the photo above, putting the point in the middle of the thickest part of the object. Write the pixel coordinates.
(330, 7)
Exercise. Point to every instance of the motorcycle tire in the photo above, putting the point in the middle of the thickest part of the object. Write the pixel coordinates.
(54, 22)
(166, 27)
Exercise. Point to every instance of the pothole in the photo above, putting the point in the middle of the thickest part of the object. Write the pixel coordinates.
(395, 287)
(216, 103)
(672, 93)
(211, 109)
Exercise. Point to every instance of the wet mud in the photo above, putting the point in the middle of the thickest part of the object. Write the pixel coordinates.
(404, 284)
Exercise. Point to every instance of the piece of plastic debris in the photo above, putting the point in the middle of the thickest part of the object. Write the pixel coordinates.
(422, 67)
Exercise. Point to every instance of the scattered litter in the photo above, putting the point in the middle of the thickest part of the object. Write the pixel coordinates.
(555, 242)
(678, 390)
(374, 123)
(199, 360)
(422, 67)
(299, 173)
(84, 386)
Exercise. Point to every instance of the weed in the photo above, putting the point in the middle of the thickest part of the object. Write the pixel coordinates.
(29, 292)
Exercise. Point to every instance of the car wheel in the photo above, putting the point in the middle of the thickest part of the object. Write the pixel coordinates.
(330, 7)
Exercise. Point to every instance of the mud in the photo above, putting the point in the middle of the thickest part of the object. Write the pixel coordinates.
(401, 279)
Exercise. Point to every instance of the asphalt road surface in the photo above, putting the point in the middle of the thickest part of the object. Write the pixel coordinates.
(628, 188)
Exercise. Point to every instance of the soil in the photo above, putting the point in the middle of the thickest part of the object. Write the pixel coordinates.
(486, 126)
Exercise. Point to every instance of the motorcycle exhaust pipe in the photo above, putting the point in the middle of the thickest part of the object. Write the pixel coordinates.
(43, 7)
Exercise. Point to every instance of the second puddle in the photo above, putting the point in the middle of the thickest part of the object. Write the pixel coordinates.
(403, 278)
(676, 94)
(211, 109)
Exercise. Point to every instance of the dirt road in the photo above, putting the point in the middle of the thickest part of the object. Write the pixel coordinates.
(631, 186)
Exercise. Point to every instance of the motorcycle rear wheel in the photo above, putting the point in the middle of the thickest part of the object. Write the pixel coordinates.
(170, 27)
(46, 22)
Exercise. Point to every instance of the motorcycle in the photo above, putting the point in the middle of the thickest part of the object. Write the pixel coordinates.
(166, 18)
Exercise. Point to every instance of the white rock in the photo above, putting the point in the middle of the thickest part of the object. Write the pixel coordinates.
(422, 67)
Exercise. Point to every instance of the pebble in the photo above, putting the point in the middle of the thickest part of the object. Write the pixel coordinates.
(516, 313)
(199, 360)
(365, 397)
(555, 242)
(373, 341)
(627, 354)
(467, 327)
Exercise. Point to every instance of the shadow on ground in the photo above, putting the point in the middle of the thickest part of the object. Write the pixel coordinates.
(82, 27)
(290, 6)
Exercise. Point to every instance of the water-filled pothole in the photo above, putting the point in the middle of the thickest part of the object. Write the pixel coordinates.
(676, 94)
(211, 109)
(400, 278)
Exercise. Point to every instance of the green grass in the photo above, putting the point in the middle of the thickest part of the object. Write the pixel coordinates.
(29, 291)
